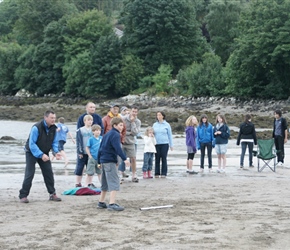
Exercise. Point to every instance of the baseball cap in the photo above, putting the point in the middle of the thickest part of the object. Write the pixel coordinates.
(112, 105)
(124, 108)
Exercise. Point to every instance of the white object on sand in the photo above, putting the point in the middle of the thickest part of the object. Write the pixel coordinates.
(158, 207)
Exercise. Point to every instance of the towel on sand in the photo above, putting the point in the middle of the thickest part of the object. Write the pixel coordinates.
(82, 191)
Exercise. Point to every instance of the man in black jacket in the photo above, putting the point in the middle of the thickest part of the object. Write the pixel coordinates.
(41, 140)
(280, 135)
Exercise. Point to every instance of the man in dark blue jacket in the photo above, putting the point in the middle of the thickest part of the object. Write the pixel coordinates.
(41, 140)
(110, 148)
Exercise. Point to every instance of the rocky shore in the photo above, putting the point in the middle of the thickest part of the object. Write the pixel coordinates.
(177, 109)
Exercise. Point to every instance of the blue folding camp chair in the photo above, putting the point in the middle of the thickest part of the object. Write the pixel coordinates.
(267, 153)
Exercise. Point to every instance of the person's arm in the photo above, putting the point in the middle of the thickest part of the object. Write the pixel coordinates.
(135, 127)
(80, 122)
(35, 150)
(239, 136)
(226, 132)
(212, 137)
(169, 132)
(70, 135)
(254, 135)
(55, 144)
(285, 131)
(197, 139)
(88, 148)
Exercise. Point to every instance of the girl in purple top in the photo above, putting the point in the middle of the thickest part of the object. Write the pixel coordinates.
(190, 131)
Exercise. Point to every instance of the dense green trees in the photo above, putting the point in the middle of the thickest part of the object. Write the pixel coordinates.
(259, 65)
(212, 47)
(162, 32)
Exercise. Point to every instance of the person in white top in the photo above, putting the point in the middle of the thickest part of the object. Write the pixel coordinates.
(149, 150)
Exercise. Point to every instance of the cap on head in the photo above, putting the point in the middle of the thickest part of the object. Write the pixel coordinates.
(112, 105)
(124, 108)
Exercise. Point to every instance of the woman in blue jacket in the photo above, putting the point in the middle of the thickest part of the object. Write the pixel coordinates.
(163, 136)
(221, 134)
(205, 140)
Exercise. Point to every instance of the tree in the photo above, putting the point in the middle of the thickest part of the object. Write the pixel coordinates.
(259, 66)
(8, 16)
(221, 24)
(131, 74)
(9, 54)
(203, 79)
(162, 32)
(35, 15)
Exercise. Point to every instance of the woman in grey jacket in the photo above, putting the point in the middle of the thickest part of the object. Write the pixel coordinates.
(247, 137)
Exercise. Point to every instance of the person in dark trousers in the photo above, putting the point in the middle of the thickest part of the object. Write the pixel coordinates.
(280, 135)
(247, 138)
(41, 140)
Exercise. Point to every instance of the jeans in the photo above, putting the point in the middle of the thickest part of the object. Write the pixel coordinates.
(122, 166)
(204, 146)
(147, 162)
(279, 144)
(161, 154)
(244, 148)
(46, 170)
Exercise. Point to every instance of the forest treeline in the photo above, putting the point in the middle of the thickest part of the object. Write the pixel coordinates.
(188, 47)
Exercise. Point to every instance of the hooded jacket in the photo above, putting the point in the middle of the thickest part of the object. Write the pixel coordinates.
(248, 132)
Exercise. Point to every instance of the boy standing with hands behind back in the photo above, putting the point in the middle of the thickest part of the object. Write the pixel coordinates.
(92, 150)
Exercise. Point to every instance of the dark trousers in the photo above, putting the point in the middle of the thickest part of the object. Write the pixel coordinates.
(279, 144)
(204, 146)
(46, 170)
(161, 154)
(244, 145)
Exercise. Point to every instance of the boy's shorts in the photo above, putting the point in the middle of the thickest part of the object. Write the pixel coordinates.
(130, 150)
(92, 167)
(221, 149)
(61, 145)
(81, 162)
(110, 178)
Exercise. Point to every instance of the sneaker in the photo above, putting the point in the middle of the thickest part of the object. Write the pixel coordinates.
(53, 197)
(135, 179)
(251, 166)
(201, 170)
(102, 205)
(91, 186)
(78, 185)
(192, 172)
(280, 164)
(218, 170)
(24, 200)
(115, 207)
(241, 167)
(124, 175)
(222, 171)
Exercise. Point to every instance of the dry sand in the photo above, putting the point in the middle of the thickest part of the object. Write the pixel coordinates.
(242, 209)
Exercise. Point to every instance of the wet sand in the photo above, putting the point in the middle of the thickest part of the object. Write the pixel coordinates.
(242, 209)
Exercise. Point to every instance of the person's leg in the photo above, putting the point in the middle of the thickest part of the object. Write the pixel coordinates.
(202, 154)
(250, 148)
(219, 161)
(223, 160)
(47, 173)
(209, 154)
(113, 197)
(164, 152)
(122, 167)
(244, 147)
(279, 144)
(28, 176)
(157, 160)
(104, 185)
(133, 166)
(145, 165)
(150, 164)
(79, 170)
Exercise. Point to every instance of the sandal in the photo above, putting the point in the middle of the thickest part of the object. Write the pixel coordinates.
(135, 179)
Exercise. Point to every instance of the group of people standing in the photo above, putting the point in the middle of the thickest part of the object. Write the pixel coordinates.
(204, 136)
(104, 143)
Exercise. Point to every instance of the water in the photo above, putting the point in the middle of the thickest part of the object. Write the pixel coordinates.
(12, 156)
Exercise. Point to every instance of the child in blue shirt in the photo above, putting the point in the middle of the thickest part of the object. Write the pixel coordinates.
(92, 150)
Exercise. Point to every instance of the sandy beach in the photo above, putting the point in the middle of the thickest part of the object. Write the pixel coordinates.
(241, 209)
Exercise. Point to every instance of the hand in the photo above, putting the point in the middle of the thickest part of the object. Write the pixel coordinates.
(45, 157)
(80, 156)
(58, 156)
(127, 163)
(285, 140)
(171, 148)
